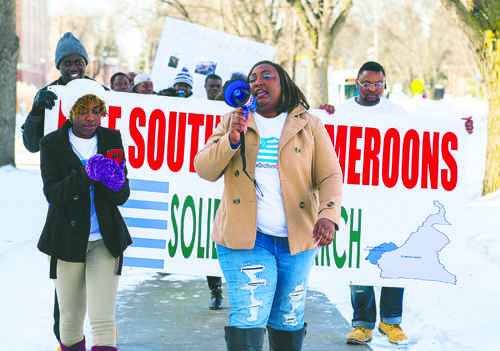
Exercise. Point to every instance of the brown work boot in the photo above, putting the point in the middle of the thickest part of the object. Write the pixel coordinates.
(394, 333)
(359, 336)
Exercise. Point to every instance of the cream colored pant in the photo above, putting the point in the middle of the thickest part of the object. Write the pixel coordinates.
(94, 283)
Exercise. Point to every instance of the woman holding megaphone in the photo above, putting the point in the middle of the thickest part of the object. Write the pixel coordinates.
(272, 218)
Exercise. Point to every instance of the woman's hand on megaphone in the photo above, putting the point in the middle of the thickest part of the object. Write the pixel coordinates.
(238, 125)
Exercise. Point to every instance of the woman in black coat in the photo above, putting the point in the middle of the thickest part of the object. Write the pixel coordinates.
(84, 233)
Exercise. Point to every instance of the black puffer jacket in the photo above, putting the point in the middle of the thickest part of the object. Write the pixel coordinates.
(66, 186)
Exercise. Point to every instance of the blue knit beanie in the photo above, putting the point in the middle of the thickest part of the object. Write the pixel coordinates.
(69, 45)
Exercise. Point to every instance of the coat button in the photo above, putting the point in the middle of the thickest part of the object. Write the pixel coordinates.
(236, 201)
(72, 223)
(297, 150)
(330, 204)
(236, 173)
(76, 197)
(302, 204)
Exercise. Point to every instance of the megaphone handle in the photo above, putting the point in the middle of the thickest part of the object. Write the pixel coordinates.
(242, 151)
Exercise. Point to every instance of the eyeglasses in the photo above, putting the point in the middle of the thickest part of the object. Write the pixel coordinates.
(368, 85)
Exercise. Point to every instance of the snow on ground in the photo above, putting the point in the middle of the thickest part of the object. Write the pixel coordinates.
(436, 316)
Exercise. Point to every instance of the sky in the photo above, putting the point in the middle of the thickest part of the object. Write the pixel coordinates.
(436, 317)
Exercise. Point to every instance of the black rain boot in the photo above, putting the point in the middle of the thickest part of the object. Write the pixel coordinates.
(284, 340)
(244, 339)
(215, 285)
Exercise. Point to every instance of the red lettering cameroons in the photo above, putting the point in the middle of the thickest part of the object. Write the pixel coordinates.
(413, 159)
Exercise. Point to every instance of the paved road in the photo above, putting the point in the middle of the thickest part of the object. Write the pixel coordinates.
(170, 314)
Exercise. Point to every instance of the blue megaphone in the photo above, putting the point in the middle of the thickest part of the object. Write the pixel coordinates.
(237, 94)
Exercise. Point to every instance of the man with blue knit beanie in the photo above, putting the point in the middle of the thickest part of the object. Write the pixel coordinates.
(71, 60)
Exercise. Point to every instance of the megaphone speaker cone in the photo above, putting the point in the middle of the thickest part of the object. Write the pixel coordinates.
(236, 93)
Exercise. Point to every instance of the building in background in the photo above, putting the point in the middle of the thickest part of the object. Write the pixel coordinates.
(32, 28)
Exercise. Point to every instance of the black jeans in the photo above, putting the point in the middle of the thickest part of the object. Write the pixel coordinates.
(214, 283)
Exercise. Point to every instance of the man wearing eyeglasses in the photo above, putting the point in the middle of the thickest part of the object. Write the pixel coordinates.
(370, 83)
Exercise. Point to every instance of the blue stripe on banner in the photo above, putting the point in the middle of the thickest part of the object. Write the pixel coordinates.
(149, 243)
(145, 223)
(143, 262)
(149, 185)
(146, 205)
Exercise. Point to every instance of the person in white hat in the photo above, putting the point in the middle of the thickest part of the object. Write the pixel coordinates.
(84, 234)
(143, 84)
(71, 60)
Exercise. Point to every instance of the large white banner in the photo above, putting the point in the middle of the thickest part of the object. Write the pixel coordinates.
(403, 191)
(203, 51)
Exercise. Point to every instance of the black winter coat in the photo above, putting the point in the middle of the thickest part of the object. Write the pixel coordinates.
(66, 186)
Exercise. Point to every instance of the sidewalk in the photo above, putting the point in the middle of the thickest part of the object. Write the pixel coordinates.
(169, 314)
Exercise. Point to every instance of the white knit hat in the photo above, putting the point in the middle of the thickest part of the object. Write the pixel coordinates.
(141, 78)
(78, 88)
(184, 77)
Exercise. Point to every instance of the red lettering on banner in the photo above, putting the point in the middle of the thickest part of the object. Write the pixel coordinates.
(209, 127)
(60, 118)
(412, 158)
(176, 140)
(449, 183)
(339, 143)
(152, 143)
(137, 153)
(430, 160)
(371, 162)
(115, 112)
(354, 155)
(390, 158)
(195, 120)
(156, 139)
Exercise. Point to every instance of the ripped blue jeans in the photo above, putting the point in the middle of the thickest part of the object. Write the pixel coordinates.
(266, 285)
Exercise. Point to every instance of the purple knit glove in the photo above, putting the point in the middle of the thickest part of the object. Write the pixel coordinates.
(92, 165)
(111, 174)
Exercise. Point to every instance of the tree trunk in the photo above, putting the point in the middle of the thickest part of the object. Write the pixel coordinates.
(318, 75)
(9, 51)
(490, 62)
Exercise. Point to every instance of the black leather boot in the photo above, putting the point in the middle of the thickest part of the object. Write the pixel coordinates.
(215, 285)
(284, 340)
(244, 339)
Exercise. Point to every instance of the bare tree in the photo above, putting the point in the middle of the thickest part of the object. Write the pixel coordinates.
(9, 52)
(149, 19)
(423, 45)
(320, 21)
(480, 20)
